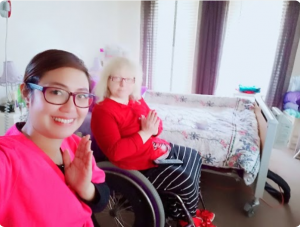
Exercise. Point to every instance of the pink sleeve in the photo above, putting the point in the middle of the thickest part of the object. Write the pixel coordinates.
(12, 131)
(98, 174)
(9, 170)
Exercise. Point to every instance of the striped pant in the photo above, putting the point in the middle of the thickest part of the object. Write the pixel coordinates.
(183, 180)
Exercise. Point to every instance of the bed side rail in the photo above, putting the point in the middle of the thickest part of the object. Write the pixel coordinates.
(267, 125)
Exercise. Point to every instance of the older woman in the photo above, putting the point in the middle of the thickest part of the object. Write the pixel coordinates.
(127, 132)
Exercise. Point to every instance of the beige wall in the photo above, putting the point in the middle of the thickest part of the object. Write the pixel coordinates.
(81, 27)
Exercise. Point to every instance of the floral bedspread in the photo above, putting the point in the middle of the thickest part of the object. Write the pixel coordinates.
(224, 130)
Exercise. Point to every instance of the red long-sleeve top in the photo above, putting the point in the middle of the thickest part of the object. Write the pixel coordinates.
(115, 127)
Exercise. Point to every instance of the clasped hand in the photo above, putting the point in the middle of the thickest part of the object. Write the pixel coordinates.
(150, 123)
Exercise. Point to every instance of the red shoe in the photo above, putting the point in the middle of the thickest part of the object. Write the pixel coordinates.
(205, 215)
(207, 224)
(197, 221)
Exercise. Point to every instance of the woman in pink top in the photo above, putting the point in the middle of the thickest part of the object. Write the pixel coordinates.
(48, 176)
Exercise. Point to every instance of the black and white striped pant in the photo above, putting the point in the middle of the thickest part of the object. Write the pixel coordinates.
(183, 180)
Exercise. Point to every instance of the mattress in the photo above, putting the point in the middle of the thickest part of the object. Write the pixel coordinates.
(223, 130)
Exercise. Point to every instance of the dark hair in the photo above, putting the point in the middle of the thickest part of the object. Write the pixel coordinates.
(50, 60)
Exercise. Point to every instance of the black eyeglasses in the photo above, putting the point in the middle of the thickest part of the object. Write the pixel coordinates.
(58, 96)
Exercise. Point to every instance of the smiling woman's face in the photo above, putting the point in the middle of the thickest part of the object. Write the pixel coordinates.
(58, 121)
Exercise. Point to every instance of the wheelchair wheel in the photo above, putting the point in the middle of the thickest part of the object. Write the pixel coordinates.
(133, 202)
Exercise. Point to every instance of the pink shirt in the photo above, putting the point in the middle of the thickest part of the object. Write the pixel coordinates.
(33, 191)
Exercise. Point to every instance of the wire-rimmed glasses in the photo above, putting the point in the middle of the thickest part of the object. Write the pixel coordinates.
(119, 79)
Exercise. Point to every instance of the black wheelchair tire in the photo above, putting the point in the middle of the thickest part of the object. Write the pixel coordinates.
(146, 203)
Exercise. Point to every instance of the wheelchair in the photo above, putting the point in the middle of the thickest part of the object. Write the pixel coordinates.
(133, 202)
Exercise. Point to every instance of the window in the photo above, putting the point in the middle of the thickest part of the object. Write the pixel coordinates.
(250, 42)
(251, 36)
(175, 26)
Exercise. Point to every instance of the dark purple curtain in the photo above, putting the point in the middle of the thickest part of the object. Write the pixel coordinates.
(212, 16)
(285, 57)
(147, 29)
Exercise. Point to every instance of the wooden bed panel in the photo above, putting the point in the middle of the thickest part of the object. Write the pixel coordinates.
(262, 126)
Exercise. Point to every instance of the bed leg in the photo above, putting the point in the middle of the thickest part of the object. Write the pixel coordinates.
(251, 207)
(297, 154)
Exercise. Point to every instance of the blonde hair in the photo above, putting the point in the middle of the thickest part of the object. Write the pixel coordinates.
(112, 66)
